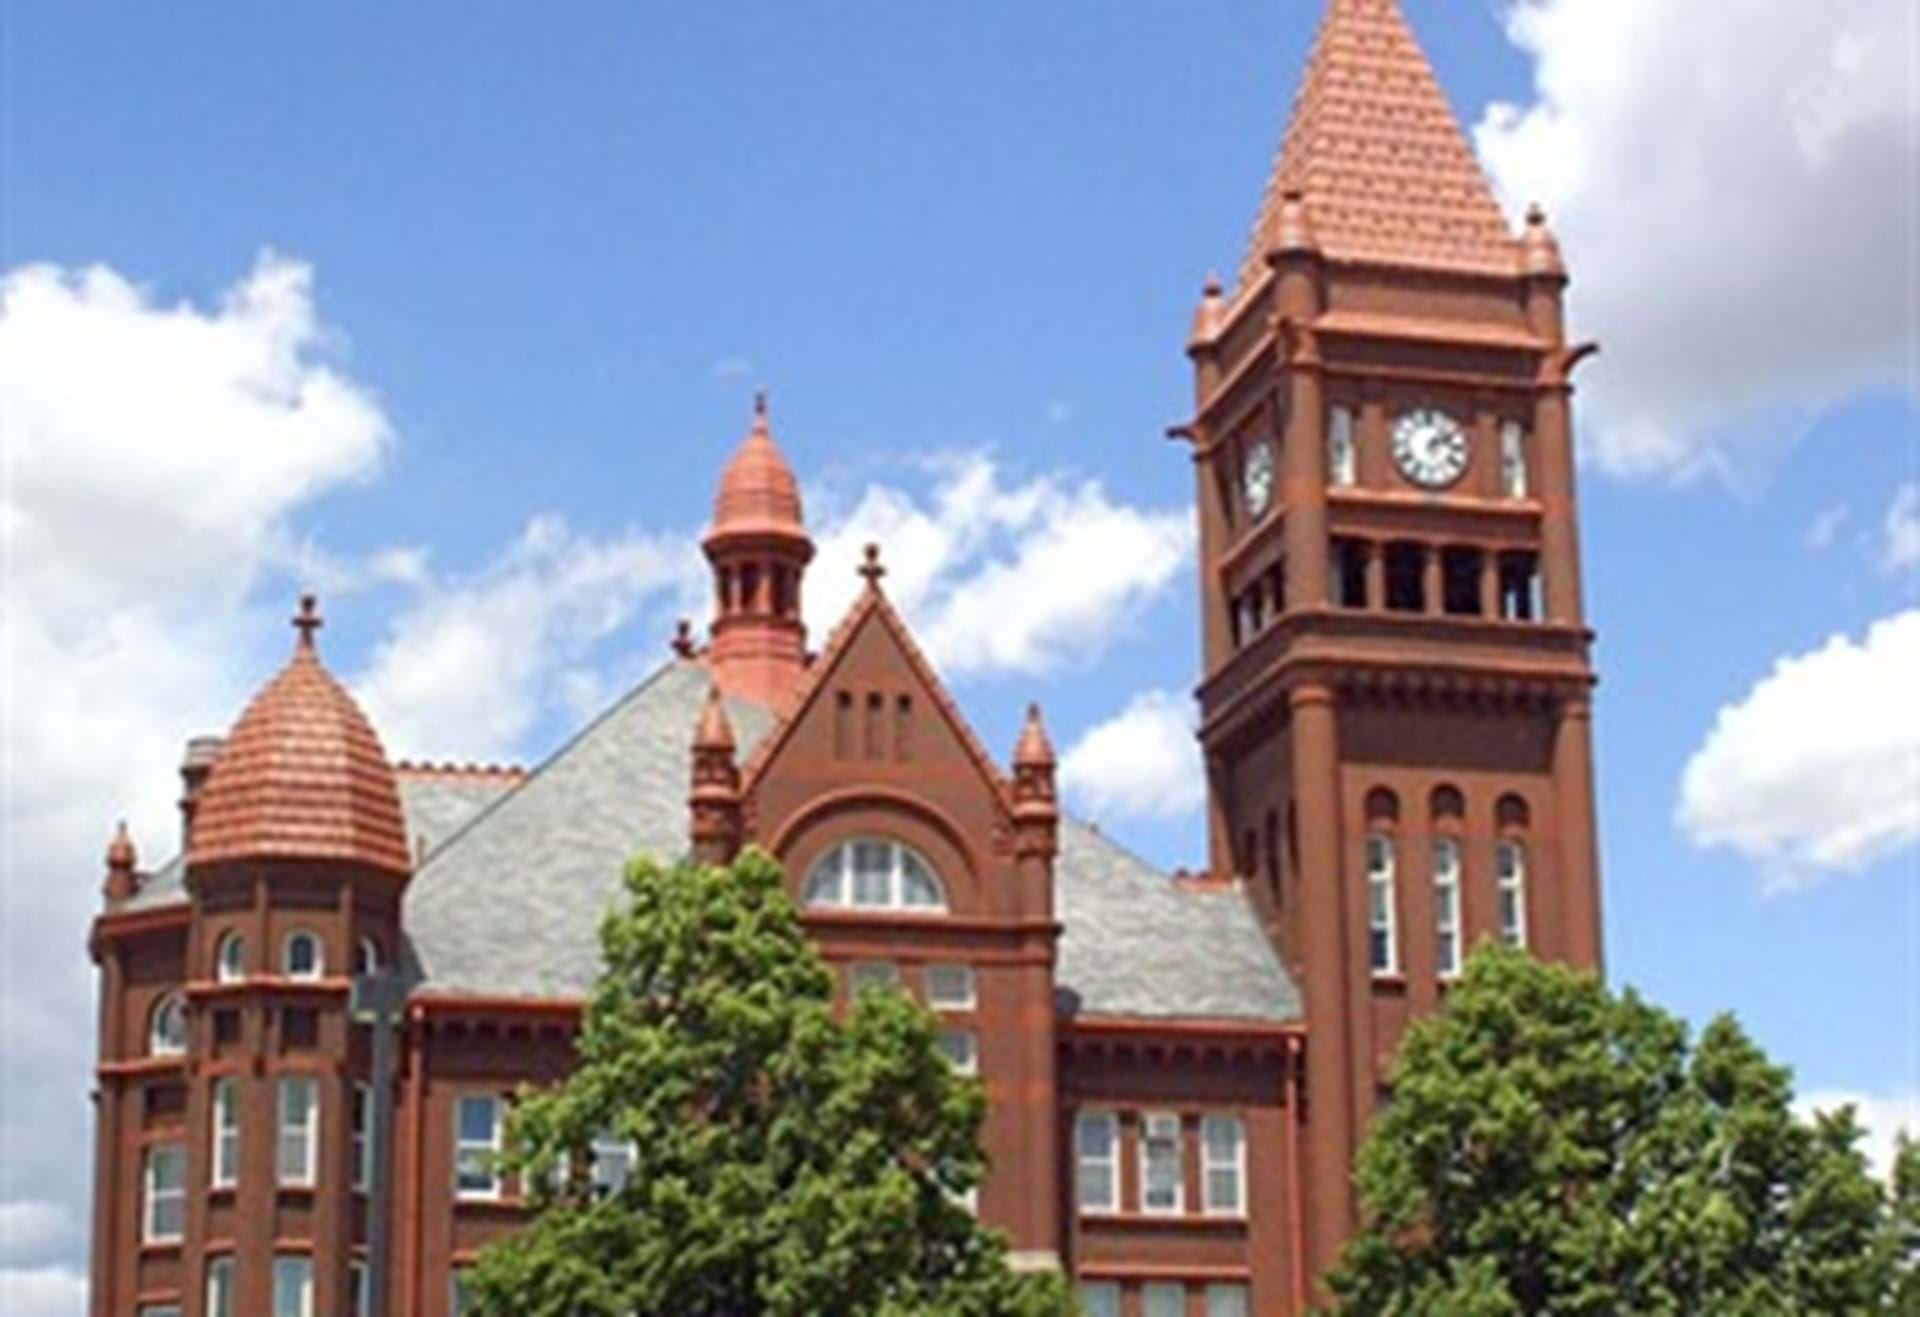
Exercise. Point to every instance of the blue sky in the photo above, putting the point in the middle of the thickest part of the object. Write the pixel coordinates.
(498, 281)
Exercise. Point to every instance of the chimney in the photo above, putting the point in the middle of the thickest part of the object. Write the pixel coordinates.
(194, 767)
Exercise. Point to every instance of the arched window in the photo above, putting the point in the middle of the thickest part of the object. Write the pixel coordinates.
(1449, 806)
(1446, 906)
(167, 1026)
(1511, 817)
(874, 874)
(230, 958)
(366, 956)
(1383, 814)
(303, 958)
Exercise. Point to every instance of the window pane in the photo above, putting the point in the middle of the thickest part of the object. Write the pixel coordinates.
(357, 1296)
(950, 987)
(959, 1047)
(166, 1176)
(1221, 1142)
(298, 1098)
(1160, 1186)
(1163, 1300)
(1101, 1298)
(303, 956)
(226, 1132)
(612, 1165)
(872, 974)
(476, 1120)
(292, 1286)
(1095, 1138)
(230, 963)
(917, 886)
(1226, 1301)
(872, 873)
(826, 886)
(477, 1127)
(220, 1288)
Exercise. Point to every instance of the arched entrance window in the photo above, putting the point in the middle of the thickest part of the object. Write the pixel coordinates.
(874, 873)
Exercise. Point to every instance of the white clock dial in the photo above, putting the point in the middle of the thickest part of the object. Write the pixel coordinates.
(1256, 478)
(1429, 447)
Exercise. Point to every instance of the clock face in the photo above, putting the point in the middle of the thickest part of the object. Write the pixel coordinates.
(1256, 478)
(1429, 447)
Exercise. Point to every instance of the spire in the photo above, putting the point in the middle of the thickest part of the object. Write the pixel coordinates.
(306, 622)
(1036, 807)
(1206, 316)
(1540, 249)
(715, 732)
(121, 861)
(713, 804)
(1378, 160)
(1033, 749)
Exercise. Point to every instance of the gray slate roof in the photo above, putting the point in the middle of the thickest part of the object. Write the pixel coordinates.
(510, 904)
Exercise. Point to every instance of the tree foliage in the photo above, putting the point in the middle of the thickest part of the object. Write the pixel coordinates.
(787, 1160)
(1551, 1148)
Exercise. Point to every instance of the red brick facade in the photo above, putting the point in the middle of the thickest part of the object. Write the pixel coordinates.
(1395, 711)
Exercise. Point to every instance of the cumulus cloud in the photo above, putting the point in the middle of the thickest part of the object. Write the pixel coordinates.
(1734, 185)
(997, 575)
(1882, 1116)
(155, 455)
(1817, 770)
(1142, 763)
(1825, 527)
(1900, 547)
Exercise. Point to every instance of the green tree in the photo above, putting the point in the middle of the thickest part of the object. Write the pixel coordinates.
(1905, 1188)
(1551, 1148)
(787, 1160)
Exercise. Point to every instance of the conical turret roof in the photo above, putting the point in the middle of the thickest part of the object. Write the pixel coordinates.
(758, 493)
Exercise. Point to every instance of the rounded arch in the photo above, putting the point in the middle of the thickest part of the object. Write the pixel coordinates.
(303, 955)
(230, 957)
(874, 873)
(167, 1026)
(1512, 814)
(1447, 805)
(884, 814)
(1382, 808)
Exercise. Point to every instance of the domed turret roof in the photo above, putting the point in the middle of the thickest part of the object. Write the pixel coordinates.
(758, 494)
(303, 776)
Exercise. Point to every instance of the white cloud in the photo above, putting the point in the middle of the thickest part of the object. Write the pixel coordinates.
(1817, 770)
(1882, 1116)
(1901, 548)
(1002, 577)
(153, 457)
(42, 1291)
(471, 665)
(1734, 186)
(1820, 534)
(1141, 763)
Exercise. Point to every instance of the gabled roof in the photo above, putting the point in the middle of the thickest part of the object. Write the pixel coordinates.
(1375, 151)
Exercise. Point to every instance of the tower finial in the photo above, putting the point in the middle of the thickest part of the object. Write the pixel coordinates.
(307, 621)
(870, 569)
(760, 410)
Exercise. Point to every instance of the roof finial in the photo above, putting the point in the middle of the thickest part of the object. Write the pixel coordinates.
(760, 411)
(307, 621)
(870, 569)
(683, 644)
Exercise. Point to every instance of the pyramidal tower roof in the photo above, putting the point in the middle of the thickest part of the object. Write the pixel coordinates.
(1376, 154)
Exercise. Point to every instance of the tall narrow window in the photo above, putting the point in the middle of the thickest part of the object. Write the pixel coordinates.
(1162, 1187)
(476, 1145)
(230, 958)
(220, 1287)
(359, 1292)
(961, 1049)
(1406, 577)
(1446, 906)
(362, 1133)
(1342, 459)
(292, 1285)
(1096, 1142)
(1223, 1164)
(842, 725)
(164, 1220)
(226, 1132)
(1513, 459)
(457, 1300)
(1383, 953)
(303, 958)
(876, 724)
(1510, 881)
(903, 728)
(299, 1124)
(167, 1028)
(1159, 1298)
(612, 1164)
(366, 956)
(1226, 1301)
(863, 974)
(950, 987)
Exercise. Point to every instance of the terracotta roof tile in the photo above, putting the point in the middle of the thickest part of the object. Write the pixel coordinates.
(758, 493)
(303, 776)
(1375, 151)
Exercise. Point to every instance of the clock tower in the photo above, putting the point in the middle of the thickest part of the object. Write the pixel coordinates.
(1396, 702)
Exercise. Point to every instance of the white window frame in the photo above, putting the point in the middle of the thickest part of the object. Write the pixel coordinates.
(963, 977)
(603, 1151)
(961, 1047)
(1221, 1293)
(831, 883)
(1155, 1295)
(300, 1267)
(1382, 911)
(457, 1291)
(219, 1295)
(464, 1147)
(156, 1198)
(167, 1026)
(1343, 454)
(1236, 1165)
(225, 1161)
(230, 957)
(882, 974)
(319, 968)
(1510, 881)
(1514, 476)
(1108, 1298)
(159, 1310)
(360, 1135)
(304, 1173)
(1446, 906)
(1107, 1163)
(367, 956)
(359, 1288)
(1154, 1127)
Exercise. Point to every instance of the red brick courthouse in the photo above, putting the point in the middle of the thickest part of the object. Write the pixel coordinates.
(1394, 710)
